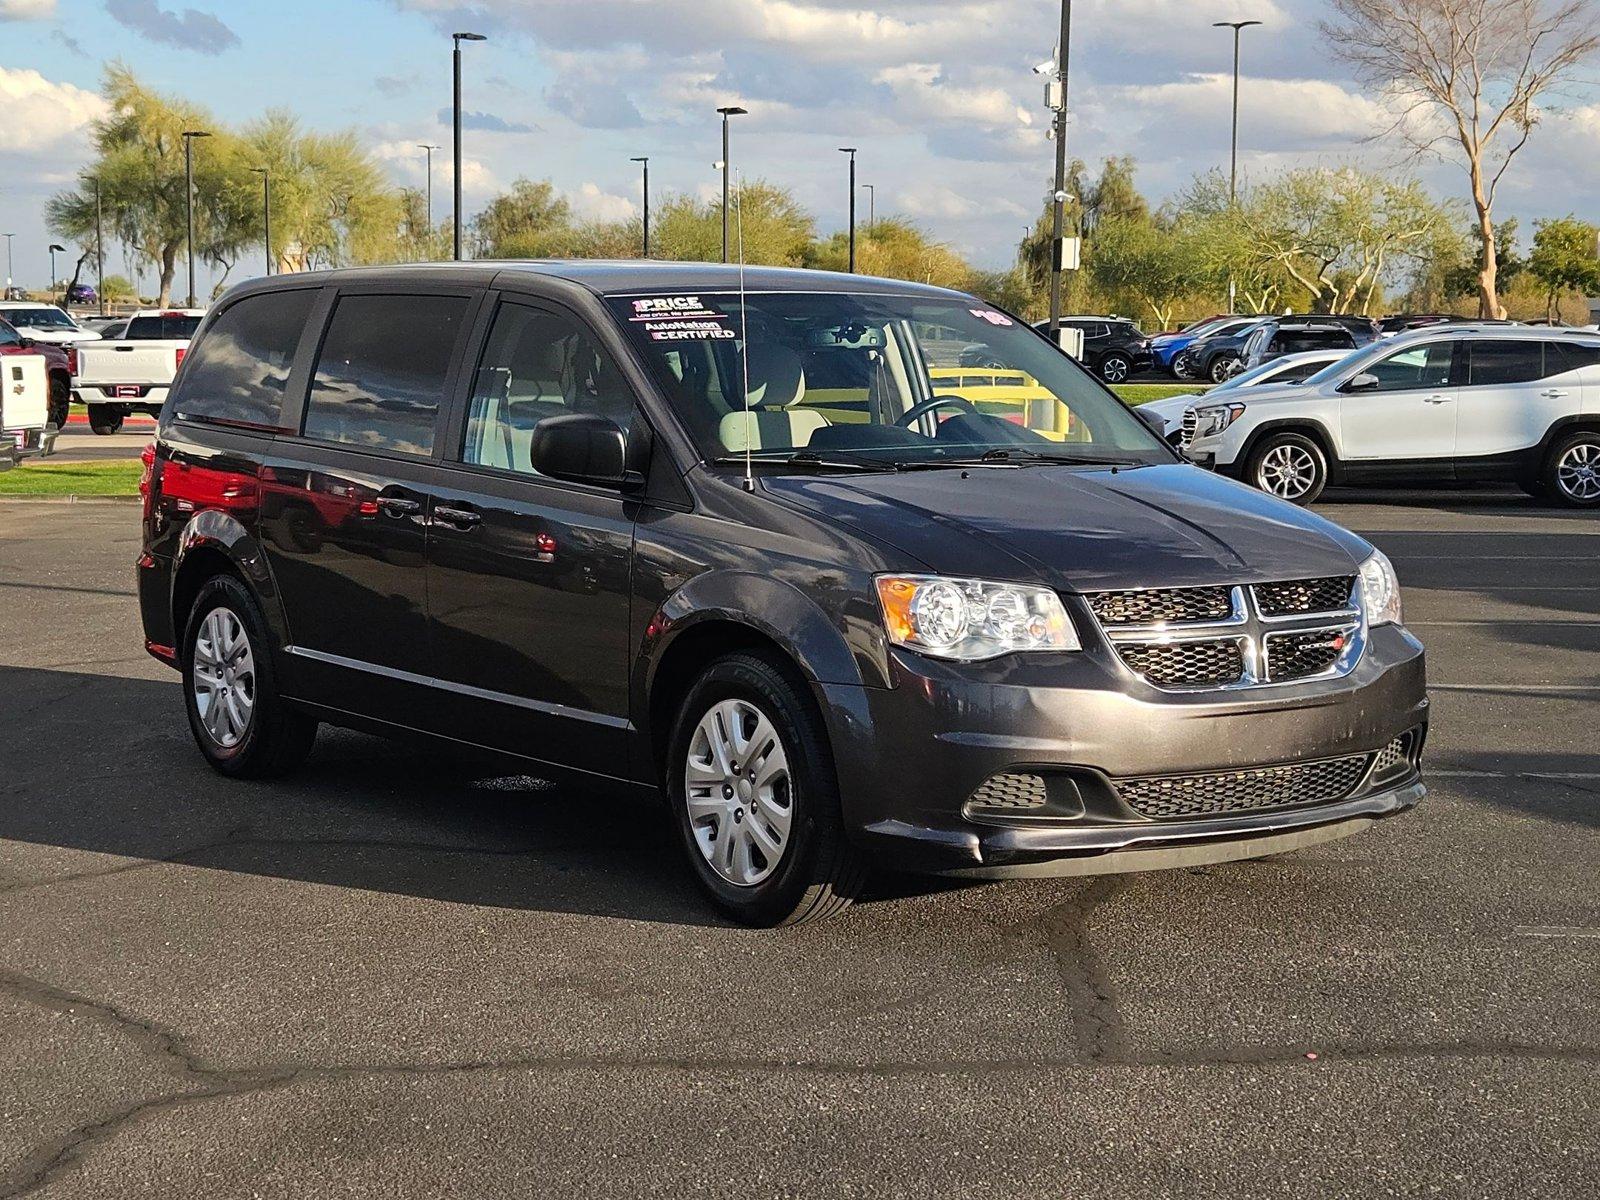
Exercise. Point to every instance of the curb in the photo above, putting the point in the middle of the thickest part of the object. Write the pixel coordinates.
(5, 499)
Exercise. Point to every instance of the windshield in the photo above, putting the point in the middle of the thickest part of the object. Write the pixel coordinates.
(1355, 361)
(875, 380)
(44, 316)
(168, 327)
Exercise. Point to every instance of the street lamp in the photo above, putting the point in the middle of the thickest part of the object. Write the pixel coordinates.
(645, 163)
(1056, 96)
(1233, 156)
(9, 236)
(266, 211)
(188, 194)
(732, 110)
(872, 203)
(457, 39)
(53, 249)
(851, 151)
(428, 150)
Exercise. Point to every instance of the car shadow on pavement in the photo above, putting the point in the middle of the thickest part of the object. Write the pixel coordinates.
(107, 765)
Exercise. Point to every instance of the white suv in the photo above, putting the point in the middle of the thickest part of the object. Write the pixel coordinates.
(1507, 403)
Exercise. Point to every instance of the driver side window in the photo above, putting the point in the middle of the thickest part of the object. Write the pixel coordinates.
(1425, 366)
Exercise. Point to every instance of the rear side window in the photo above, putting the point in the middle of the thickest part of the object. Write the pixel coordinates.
(381, 374)
(1569, 356)
(1492, 362)
(238, 370)
(168, 327)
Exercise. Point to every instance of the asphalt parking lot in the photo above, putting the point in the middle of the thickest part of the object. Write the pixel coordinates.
(387, 976)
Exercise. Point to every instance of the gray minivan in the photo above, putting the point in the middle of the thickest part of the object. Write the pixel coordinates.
(760, 543)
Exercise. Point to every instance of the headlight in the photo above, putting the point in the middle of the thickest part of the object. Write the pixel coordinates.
(1380, 591)
(1214, 418)
(972, 618)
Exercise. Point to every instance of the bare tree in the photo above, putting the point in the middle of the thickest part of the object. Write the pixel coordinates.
(1470, 74)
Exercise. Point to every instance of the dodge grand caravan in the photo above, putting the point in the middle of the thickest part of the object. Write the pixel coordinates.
(762, 545)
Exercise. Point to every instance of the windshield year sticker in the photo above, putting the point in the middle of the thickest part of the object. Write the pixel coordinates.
(989, 315)
(681, 318)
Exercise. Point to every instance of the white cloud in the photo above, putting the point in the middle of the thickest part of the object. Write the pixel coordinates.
(594, 203)
(44, 117)
(923, 89)
(409, 166)
(27, 10)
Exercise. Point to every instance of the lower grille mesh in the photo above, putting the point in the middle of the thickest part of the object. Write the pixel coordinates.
(1185, 664)
(1010, 791)
(1169, 796)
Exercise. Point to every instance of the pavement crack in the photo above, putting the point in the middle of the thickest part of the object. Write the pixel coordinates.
(1097, 1016)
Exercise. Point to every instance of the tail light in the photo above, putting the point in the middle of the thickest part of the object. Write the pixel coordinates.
(72, 360)
(148, 457)
(180, 353)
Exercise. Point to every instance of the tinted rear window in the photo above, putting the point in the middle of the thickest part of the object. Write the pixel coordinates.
(1569, 356)
(238, 370)
(1493, 362)
(381, 374)
(150, 329)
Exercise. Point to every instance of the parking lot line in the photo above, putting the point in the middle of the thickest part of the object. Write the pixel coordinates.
(1578, 689)
(1500, 621)
(1557, 931)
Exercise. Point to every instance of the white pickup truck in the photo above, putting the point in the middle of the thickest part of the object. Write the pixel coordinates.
(132, 371)
(25, 428)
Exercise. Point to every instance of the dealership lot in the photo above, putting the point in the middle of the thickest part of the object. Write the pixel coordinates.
(388, 974)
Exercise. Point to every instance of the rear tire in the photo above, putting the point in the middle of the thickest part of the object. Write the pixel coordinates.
(241, 724)
(1224, 367)
(1571, 474)
(1290, 466)
(105, 419)
(765, 836)
(60, 401)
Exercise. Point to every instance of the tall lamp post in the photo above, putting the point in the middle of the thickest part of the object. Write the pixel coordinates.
(266, 212)
(732, 110)
(851, 151)
(428, 150)
(9, 236)
(1233, 154)
(100, 250)
(644, 161)
(457, 39)
(872, 203)
(1057, 94)
(53, 249)
(189, 136)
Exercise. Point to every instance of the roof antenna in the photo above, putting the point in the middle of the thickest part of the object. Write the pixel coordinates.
(744, 334)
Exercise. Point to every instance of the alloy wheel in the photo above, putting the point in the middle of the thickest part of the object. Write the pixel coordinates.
(1114, 368)
(224, 678)
(1578, 472)
(739, 792)
(1287, 471)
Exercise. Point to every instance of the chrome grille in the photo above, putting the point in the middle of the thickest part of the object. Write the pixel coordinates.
(1190, 422)
(1330, 594)
(1147, 607)
(1010, 791)
(1186, 664)
(1168, 797)
(1302, 655)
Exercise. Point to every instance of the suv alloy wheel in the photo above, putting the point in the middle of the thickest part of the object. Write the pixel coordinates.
(1289, 466)
(1115, 367)
(1572, 469)
(1224, 367)
(753, 790)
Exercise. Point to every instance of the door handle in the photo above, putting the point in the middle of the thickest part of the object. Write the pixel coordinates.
(1438, 399)
(1553, 393)
(398, 506)
(463, 518)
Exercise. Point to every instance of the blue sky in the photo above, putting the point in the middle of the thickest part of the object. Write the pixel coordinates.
(937, 93)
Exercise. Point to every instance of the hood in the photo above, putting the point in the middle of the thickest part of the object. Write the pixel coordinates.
(1265, 393)
(1082, 529)
(56, 337)
(1172, 408)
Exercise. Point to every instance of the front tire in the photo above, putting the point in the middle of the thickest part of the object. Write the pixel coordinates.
(239, 721)
(1224, 367)
(1115, 368)
(751, 779)
(1290, 466)
(105, 419)
(1571, 474)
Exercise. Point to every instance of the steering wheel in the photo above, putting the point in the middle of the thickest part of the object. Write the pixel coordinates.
(927, 406)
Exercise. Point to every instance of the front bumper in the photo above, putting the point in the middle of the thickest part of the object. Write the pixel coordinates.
(911, 757)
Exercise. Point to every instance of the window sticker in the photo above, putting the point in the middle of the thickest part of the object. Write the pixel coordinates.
(681, 318)
(989, 315)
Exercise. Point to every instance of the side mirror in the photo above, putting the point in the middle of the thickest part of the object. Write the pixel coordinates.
(1154, 420)
(25, 342)
(1363, 382)
(580, 447)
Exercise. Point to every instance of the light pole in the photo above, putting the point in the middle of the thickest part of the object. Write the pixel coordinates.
(732, 110)
(9, 236)
(53, 249)
(872, 203)
(99, 250)
(1058, 199)
(851, 151)
(428, 150)
(189, 136)
(644, 162)
(266, 212)
(1233, 154)
(457, 39)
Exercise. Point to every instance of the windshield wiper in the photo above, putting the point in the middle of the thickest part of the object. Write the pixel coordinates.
(803, 458)
(1015, 456)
